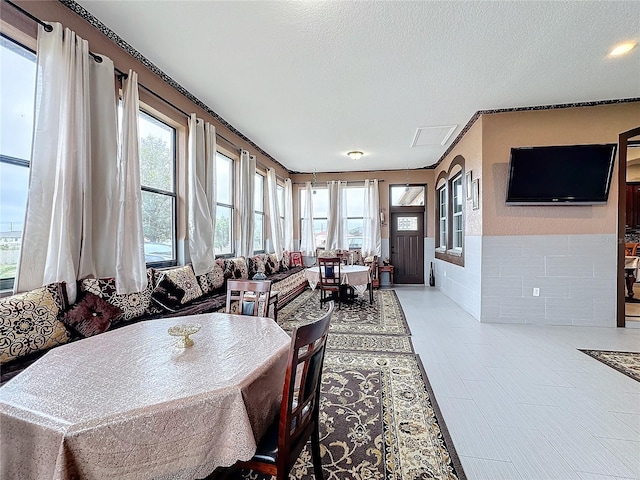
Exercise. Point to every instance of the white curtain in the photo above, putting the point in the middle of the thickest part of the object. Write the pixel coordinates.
(247, 209)
(71, 219)
(307, 237)
(131, 270)
(274, 212)
(288, 215)
(371, 242)
(337, 228)
(202, 148)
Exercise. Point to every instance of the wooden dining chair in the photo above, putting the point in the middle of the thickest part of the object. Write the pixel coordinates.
(250, 295)
(631, 249)
(298, 420)
(330, 278)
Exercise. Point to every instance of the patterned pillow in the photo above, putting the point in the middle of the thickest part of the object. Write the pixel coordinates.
(132, 305)
(29, 322)
(168, 295)
(271, 266)
(256, 264)
(212, 280)
(185, 279)
(284, 261)
(236, 268)
(91, 315)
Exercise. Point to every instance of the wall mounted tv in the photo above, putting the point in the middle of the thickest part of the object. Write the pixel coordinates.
(560, 175)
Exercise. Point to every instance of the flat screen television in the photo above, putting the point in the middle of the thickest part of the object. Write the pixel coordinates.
(560, 175)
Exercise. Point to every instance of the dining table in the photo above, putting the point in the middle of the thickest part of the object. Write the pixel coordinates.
(132, 404)
(356, 276)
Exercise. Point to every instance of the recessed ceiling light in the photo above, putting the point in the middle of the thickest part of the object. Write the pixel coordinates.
(622, 49)
(355, 155)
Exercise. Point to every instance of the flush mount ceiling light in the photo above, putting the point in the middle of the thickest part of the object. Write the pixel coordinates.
(622, 49)
(355, 155)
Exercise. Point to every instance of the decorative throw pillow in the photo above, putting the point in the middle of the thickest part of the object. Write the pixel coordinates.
(284, 261)
(91, 315)
(236, 268)
(168, 295)
(295, 259)
(255, 264)
(29, 322)
(132, 305)
(185, 279)
(212, 280)
(271, 266)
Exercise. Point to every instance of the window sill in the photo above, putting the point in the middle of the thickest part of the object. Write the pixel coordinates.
(455, 257)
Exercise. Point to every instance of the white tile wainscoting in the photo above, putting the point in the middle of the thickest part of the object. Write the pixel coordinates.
(575, 278)
(575, 275)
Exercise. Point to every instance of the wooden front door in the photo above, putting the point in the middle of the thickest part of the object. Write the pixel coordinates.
(407, 246)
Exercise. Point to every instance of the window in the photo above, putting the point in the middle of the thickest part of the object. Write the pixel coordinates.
(17, 87)
(450, 202)
(258, 201)
(456, 190)
(355, 216)
(280, 199)
(442, 202)
(157, 179)
(223, 237)
(320, 214)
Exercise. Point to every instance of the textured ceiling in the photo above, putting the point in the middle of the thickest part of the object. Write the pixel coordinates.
(310, 81)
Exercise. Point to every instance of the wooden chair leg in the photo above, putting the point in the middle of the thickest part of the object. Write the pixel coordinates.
(315, 453)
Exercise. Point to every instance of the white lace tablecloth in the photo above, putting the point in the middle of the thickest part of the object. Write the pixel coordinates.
(355, 275)
(129, 404)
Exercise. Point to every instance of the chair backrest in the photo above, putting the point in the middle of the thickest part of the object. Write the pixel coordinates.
(631, 249)
(301, 394)
(252, 297)
(329, 272)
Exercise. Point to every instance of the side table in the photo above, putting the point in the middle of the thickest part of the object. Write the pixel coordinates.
(387, 268)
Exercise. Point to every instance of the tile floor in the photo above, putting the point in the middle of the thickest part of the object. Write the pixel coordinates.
(520, 401)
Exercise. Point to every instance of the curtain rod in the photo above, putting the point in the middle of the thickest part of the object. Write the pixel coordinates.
(48, 28)
(348, 181)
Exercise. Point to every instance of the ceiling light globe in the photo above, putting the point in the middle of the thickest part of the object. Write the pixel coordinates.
(355, 155)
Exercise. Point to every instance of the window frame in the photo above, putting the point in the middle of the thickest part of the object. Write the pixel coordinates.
(230, 206)
(447, 179)
(457, 194)
(259, 213)
(144, 109)
(301, 192)
(8, 283)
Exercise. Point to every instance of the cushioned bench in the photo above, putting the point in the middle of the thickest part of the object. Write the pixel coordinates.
(34, 322)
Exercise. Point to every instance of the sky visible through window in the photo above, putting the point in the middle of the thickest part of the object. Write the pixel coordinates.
(17, 90)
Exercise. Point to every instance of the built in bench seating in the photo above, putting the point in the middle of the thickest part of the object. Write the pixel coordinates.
(32, 323)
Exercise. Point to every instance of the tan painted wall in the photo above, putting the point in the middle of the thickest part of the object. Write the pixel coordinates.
(390, 177)
(470, 148)
(599, 124)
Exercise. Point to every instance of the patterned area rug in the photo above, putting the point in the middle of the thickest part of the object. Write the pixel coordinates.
(379, 420)
(625, 362)
(383, 316)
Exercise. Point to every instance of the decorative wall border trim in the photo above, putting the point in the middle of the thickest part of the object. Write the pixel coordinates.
(81, 11)
(524, 109)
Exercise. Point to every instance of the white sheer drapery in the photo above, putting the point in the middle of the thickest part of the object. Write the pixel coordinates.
(274, 212)
(337, 227)
(307, 236)
(202, 150)
(131, 269)
(247, 209)
(371, 241)
(288, 215)
(71, 219)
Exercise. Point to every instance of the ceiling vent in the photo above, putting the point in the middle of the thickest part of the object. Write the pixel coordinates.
(433, 135)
